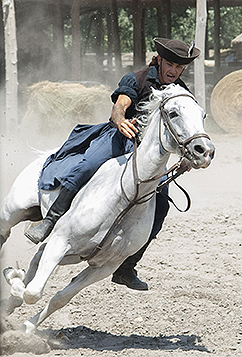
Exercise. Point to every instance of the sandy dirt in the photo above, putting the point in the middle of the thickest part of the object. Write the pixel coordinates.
(193, 306)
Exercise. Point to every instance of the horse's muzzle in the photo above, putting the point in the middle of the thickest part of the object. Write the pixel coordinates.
(200, 152)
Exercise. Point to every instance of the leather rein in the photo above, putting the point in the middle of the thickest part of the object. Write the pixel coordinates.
(182, 147)
(137, 181)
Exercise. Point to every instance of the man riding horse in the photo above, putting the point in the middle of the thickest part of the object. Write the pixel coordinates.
(89, 146)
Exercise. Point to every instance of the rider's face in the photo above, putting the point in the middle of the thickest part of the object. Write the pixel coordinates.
(169, 71)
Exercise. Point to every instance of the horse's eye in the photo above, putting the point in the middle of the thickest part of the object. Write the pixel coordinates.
(173, 114)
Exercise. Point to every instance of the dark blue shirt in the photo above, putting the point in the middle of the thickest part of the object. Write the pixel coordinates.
(137, 86)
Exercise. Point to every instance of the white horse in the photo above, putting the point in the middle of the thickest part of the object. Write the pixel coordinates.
(105, 223)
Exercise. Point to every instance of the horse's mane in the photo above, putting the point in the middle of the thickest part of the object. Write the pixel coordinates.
(145, 112)
(148, 108)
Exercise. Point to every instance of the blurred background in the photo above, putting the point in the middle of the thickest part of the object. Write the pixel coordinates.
(95, 43)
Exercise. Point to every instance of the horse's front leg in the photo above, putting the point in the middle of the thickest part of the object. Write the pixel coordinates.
(17, 279)
(50, 256)
(87, 277)
(14, 277)
(33, 266)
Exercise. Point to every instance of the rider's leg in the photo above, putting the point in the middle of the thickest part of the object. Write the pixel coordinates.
(126, 274)
(59, 207)
(101, 149)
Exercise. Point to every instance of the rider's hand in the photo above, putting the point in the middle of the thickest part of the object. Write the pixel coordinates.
(127, 128)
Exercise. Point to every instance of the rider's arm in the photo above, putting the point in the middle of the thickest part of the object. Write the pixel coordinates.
(125, 126)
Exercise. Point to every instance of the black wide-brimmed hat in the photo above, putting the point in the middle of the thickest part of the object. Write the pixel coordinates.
(176, 51)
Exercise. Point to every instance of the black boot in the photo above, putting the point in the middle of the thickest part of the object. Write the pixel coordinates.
(59, 207)
(126, 274)
(129, 278)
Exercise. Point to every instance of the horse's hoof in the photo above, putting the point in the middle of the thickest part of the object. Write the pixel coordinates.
(10, 273)
(28, 327)
(30, 298)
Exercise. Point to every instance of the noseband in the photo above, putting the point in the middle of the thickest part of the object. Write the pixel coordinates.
(168, 124)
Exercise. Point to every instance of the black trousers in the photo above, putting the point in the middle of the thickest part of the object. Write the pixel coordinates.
(161, 210)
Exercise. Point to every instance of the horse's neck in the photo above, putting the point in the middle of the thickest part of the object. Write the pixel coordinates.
(151, 160)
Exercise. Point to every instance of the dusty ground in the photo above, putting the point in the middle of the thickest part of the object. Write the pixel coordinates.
(193, 306)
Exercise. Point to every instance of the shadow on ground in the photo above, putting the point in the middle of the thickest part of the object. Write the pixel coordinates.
(83, 337)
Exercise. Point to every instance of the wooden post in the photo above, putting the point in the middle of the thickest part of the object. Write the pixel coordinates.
(76, 45)
(10, 65)
(206, 54)
(199, 72)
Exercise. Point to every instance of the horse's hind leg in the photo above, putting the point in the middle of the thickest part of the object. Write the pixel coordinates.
(22, 201)
(10, 216)
(87, 277)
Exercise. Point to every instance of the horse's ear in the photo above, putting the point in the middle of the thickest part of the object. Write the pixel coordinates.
(154, 93)
(166, 90)
(163, 92)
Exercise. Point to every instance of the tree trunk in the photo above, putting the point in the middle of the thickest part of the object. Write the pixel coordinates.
(110, 39)
(217, 33)
(167, 11)
(160, 20)
(116, 38)
(58, 37)
(164, 18)
(76, 36)
(137, 21)
(143, 44)
(99, 39)
(199, 73)
(10, 65)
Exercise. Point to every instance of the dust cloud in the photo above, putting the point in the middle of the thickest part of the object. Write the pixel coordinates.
(193, 305)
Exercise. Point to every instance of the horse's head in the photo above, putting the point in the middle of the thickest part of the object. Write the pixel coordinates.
(182, 126)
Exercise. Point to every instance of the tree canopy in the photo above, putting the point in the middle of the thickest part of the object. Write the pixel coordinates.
(183, 20)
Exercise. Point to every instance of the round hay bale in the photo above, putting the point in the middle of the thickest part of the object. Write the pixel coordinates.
(53, 109)
(226, 103)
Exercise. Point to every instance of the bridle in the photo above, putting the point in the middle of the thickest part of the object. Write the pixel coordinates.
(137, 181)
(182, 144)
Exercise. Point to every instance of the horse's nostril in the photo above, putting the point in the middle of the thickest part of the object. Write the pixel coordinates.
(199, 149)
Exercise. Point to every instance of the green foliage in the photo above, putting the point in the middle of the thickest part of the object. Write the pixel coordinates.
(183, 21)
(125, 22)
(231, 24)
(151, 28)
